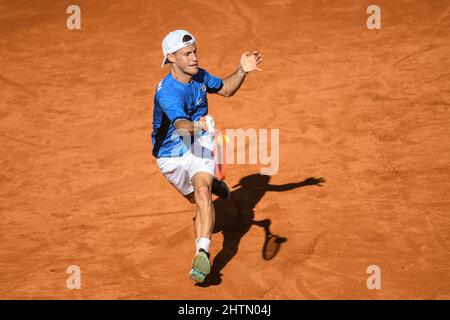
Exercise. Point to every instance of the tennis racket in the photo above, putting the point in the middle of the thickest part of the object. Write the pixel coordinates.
(219, 141)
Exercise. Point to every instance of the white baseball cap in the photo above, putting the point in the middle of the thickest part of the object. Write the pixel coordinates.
(174, 42)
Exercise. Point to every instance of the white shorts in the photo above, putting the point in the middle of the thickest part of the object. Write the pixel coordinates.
(180, 170)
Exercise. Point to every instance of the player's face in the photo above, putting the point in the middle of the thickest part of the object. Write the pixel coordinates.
(186, 60)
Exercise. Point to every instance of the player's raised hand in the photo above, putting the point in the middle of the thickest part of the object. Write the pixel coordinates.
(250, 61)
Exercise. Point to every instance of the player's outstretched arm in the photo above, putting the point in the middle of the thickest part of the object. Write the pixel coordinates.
(249, 62)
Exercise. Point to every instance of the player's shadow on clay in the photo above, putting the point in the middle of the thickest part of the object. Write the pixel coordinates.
(235, 217)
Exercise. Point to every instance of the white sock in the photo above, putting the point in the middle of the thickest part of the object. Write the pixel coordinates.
(202, 243)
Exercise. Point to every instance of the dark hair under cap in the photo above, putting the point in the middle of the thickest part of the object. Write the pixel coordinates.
(186, 38)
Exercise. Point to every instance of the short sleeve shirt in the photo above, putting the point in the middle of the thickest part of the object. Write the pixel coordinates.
(176, 100)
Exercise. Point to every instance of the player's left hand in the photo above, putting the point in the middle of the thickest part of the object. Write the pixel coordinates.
(250, 61)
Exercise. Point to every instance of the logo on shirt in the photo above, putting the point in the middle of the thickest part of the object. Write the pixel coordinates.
(203, 88)
(159, 86)
(198, 102)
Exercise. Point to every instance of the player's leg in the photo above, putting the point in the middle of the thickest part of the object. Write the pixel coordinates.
(176, 172)
(179, 173)
(219, 188)
(198, 227)
(204, 224)
(202, 182)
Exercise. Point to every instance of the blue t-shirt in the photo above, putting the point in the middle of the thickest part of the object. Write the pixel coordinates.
(176, 100)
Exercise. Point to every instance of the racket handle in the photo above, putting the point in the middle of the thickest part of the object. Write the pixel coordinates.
(210, 124)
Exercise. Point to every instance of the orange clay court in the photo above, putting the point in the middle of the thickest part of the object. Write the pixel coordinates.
(364, 175)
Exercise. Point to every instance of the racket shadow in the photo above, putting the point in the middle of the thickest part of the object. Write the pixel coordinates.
(235, 217)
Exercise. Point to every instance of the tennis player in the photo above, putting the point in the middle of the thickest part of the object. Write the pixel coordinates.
(181, 142)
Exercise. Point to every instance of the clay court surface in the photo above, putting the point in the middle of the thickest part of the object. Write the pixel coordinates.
(366, 110)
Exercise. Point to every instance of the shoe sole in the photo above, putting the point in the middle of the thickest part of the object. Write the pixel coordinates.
(222, 185)
(228, 192)
(200, 267)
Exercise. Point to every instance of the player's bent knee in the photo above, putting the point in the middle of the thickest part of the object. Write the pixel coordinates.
(203, 193)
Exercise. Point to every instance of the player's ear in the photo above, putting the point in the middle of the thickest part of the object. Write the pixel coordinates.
(171, 57)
